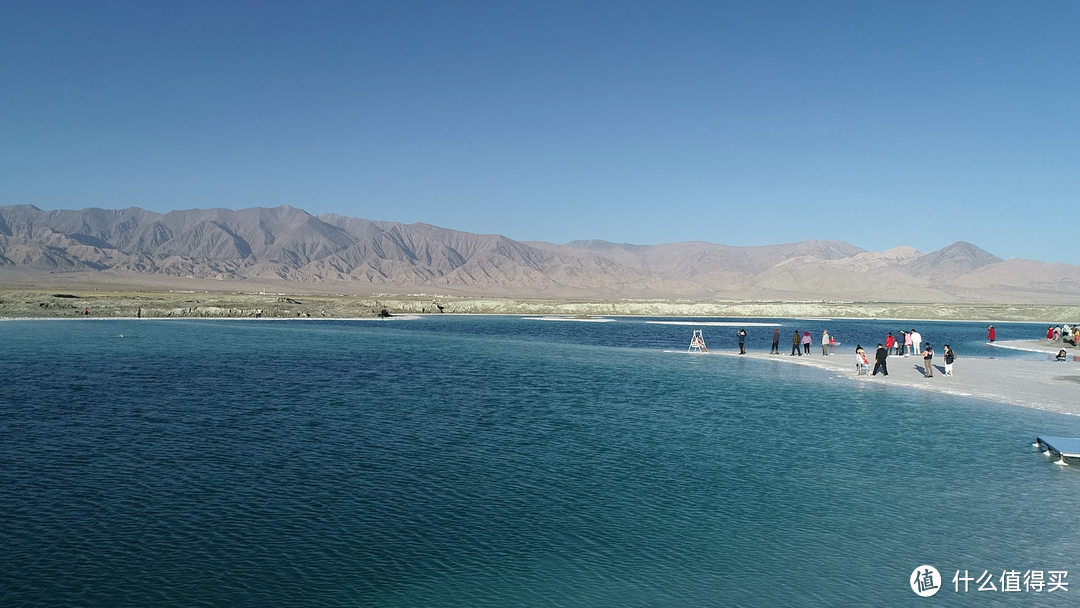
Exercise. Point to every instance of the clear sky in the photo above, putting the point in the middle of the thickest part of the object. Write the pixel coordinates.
(744, 123)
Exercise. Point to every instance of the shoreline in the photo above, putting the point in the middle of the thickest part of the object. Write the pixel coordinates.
(391, 318)
(1052, 386)
(1037, 346)
(688, 322)
(1046, 385)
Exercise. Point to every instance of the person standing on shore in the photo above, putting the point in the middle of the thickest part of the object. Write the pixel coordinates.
(825, 343)
(928, 361)
(775, 342)
(889, 341)
(1050, 333)
(807, 341)
(907, 344)
(832, 345)
(991, 334)
(916, 341)
(795, 345)
(950, 356)
(741, 335)
(879, 360)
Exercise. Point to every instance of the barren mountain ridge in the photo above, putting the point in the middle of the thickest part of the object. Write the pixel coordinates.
(288, 244)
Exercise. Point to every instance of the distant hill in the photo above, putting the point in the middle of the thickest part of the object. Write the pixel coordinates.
(288, 244)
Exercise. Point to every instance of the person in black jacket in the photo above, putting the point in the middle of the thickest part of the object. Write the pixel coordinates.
(879, 360)
(741, 335)
(950, 356)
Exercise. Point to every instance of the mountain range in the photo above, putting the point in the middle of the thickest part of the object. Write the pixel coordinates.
(286, 244)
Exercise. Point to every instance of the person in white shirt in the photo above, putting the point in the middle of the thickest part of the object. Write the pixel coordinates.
(916, 341)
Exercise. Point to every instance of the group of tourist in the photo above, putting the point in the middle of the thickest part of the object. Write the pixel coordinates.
(906, 344)
(800, 343)
(903, 343)
(1064, 333)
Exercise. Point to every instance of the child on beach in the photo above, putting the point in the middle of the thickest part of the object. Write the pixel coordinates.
(861, 364)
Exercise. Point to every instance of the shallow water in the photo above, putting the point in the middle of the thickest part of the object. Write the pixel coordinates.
(498, 461)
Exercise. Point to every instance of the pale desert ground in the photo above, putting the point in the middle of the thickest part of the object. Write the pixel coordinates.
(38, 303)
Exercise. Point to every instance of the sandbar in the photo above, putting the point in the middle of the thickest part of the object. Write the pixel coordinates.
(1048, 385)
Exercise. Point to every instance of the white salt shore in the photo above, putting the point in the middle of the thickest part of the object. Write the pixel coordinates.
(571, 319)
(1037, 346)
(713, 323)
(1045, 385)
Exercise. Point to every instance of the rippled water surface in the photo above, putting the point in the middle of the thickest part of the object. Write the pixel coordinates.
(499, 462)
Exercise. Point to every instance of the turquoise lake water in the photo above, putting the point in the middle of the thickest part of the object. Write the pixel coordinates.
(486, 461)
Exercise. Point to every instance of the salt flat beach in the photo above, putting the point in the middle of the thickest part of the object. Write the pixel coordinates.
(1045, 385)
(1039, 346)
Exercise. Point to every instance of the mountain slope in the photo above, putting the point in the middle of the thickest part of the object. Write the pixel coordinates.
(288, 244)
(950, 262)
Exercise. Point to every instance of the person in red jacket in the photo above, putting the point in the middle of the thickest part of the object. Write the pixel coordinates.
(1050, 333)
(889, 341)
(991, 334)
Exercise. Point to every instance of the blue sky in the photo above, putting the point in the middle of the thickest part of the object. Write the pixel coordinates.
(749, 123)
